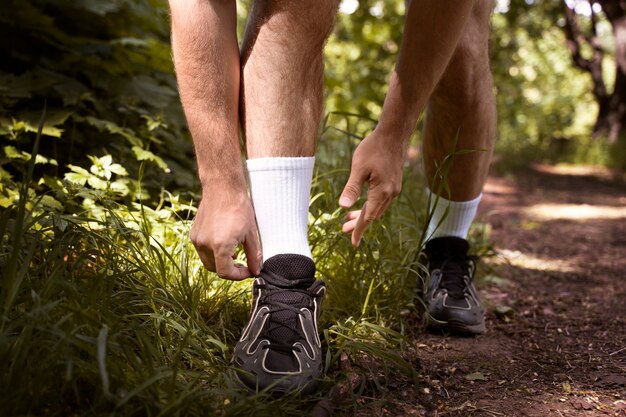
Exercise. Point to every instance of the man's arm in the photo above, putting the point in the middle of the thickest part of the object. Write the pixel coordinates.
(206, 56)
(432, 31)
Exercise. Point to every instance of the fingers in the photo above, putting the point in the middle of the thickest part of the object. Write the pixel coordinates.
(348, 226)
(222, 259)
(366, 218)
(351, 219)
(252, 249)
(226, 267)
(207, 258)
(373, 208)
(352, 190)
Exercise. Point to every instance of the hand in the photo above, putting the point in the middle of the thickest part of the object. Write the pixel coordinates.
(223, 222)
(378, 161)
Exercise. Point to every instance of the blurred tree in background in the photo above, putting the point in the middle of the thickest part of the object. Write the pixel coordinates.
(596, 33)
(588, 47)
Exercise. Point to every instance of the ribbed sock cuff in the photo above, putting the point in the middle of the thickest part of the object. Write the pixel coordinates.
(450, 218)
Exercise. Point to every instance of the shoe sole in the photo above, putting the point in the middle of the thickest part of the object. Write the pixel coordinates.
(457, 327)
(307, 389)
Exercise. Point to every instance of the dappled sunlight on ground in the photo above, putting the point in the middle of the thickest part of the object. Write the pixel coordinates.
(493, 187)
(575, 170)
(576, 212)
(530, 261)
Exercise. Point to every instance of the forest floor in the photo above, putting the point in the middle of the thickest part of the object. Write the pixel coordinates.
(556, 298)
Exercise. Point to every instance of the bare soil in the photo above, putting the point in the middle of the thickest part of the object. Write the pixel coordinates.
(556, 298)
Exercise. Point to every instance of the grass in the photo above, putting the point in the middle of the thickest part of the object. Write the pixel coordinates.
(108, 311)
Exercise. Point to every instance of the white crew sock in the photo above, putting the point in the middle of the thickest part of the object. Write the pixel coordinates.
(455, 216)
(281, 189)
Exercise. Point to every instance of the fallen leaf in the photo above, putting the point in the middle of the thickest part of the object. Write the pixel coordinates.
(504, 312)
(476, 376)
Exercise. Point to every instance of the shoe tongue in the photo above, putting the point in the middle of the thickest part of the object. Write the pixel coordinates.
(450, 254)
(289, 271)
(449, 246)
(452, 279)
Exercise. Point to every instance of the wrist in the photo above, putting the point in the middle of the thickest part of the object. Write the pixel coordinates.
(394, 134)
(226, 182)
(401, 109)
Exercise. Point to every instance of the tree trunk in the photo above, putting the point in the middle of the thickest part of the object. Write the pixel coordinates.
(611, 121)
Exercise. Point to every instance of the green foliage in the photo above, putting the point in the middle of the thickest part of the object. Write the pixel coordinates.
(105, 71)
(541, 99)
(360, 56)
(107, 309)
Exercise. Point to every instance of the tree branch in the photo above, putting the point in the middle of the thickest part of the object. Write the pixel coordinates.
(576, 39)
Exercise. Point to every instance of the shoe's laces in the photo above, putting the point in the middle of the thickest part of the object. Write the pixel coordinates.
(271, 297)
(457, 273)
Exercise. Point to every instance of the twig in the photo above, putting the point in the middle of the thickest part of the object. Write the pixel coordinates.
(493, 413)
(617, 351)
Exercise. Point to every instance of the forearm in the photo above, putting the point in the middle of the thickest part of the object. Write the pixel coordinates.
(431, 34)
(206, 57)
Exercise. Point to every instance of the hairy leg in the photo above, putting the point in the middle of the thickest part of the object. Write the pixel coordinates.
(462, 108)
(282, 76)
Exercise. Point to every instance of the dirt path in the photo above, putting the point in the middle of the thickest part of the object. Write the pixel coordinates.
(556, 300)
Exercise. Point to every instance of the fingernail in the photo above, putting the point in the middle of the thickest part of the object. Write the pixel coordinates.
(345, 201)
(358, 243)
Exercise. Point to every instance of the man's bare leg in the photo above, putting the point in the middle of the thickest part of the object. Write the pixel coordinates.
(462, 110)
(281, 106)
(463, 104)
(282, 79)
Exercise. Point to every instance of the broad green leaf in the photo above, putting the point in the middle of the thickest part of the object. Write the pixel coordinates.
(52, 182)
(40, 159)
(111, 127)
(8, 201)
(79, 170)
(51, 203)
(75, 178)
(146, 155)
(4, 175)
(120, 187)
(97, 183)
(11, 152)
(78, 175)
(118, 169)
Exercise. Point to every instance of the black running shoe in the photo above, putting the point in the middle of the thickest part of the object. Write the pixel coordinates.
(280, 347)
(453, 303)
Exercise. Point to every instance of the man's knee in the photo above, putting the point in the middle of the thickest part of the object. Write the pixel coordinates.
(303, 24)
